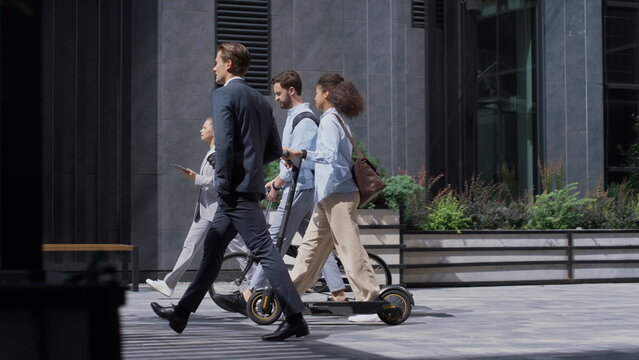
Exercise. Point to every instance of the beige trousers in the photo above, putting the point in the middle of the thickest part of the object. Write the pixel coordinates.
(334, 225)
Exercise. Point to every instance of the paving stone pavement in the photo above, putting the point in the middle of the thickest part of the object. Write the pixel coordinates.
(553, 322)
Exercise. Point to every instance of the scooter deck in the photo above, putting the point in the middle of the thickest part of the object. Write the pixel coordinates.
(344, 307)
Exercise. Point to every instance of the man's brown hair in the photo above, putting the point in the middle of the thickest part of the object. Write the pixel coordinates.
(239, 56)
(287, 79)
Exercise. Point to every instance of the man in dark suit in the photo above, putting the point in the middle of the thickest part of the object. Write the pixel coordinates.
(246, 138)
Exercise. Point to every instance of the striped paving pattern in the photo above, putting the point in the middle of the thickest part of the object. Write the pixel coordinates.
(560, 322)
(208, 339)
(213, 333)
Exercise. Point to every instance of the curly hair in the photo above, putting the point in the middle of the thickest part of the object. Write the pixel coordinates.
(342, 94)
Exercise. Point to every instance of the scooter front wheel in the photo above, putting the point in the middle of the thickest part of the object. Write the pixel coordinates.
(263, 308)
(397, 309)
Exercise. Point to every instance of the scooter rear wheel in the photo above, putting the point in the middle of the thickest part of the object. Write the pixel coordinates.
(398, 308)
(263, 308)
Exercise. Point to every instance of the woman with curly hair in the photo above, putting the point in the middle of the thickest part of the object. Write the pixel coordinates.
(334, 220)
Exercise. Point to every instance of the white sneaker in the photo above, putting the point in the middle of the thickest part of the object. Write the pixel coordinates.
(364, 318)
(161, 286)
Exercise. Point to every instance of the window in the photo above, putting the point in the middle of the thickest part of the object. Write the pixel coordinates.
(247, 22)
(506, 92)
(621, 77)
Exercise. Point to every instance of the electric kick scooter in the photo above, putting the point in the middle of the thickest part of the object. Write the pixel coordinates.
(393, 307)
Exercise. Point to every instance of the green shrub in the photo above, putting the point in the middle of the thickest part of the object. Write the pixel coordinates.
(630, 155)
(624, 192)
(622, 213)
(416, 212)
(417, 205)
(399, 188)
(497, 216)
(447, 214)
(620, 216)
(551, 175)
(612, 209)
(489, 205)
(594, 213)
(557, 209)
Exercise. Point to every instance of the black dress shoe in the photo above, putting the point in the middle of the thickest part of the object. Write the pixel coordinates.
(287, 329)
(178, 320)
(232, 302)
(160, 310)
(177, 317)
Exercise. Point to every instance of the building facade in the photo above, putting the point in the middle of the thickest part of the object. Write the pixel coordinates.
(463, 88)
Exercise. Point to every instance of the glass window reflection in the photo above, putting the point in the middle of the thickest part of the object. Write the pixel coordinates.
(506, 92)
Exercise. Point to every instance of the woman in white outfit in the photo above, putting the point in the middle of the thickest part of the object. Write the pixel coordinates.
(204, 212)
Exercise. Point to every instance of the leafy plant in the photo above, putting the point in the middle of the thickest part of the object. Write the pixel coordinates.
(630, 155)
(617, 208)
(594, 213)
(557, 209)
(399, 188)
(500, 216)
(447, 213)
(508, 178)
(417, 205)
(480, 198)
(623, 191)
(620, 215)
(551, 175)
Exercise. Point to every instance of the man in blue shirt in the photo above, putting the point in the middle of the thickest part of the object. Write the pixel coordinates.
(300, 132)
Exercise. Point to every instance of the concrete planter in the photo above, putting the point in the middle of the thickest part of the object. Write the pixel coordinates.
(442, 258)
(380, 232)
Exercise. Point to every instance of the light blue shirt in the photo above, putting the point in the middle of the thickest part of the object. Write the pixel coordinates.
(304, 136)
(332, 158)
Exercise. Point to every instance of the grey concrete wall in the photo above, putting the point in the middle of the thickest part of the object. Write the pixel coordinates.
(370, 42)
(186, 57)
(572, 88)
(172, 57)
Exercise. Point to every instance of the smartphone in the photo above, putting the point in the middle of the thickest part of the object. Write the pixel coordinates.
(180, 167)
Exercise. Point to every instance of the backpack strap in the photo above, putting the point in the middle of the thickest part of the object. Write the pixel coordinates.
(304, 115)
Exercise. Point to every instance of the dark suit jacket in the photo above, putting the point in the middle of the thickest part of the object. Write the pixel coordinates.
(246, 138)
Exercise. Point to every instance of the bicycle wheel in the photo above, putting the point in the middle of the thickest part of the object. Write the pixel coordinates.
(230, 278)
(382, 271)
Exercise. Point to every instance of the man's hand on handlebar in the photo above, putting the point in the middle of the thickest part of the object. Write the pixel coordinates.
(271, 193)
(288, 154)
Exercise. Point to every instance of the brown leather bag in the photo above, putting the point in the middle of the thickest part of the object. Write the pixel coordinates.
(365, 174)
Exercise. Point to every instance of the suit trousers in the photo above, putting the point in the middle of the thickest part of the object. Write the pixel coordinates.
(300, 215)
(239, 213)
(192, 244)
(334, 224)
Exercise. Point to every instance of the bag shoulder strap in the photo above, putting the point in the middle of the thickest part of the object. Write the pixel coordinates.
(304, 115)
(350, 138)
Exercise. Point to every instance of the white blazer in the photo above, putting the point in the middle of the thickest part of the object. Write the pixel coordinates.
(207, 199)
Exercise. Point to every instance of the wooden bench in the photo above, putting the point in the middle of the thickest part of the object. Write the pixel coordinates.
(130, 250)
